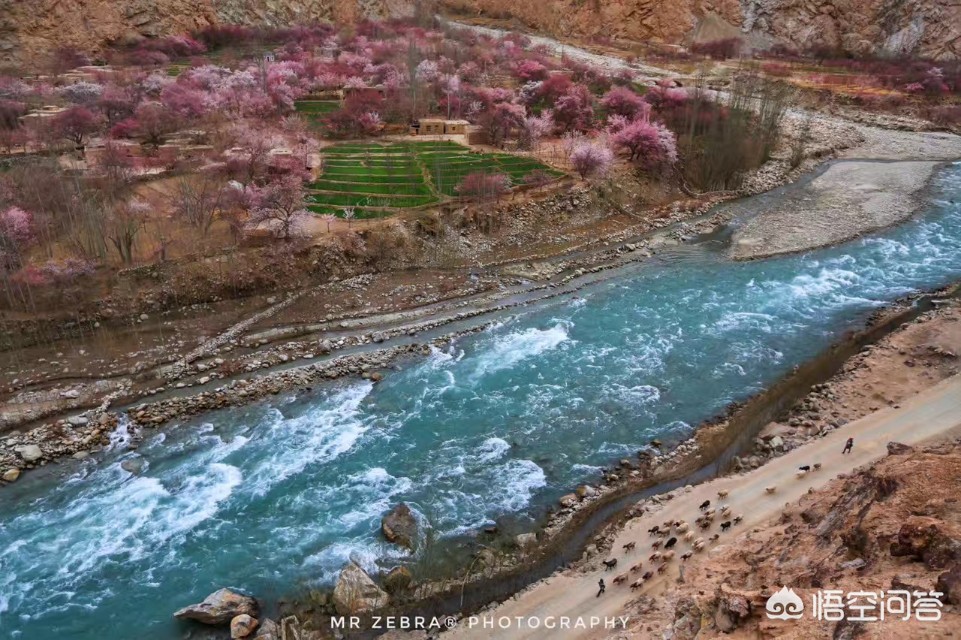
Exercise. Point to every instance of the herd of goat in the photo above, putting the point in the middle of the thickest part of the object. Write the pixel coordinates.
(671, 532)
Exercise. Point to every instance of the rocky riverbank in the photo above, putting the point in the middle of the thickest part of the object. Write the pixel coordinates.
(850, 198)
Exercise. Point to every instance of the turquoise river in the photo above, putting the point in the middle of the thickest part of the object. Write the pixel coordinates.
(274, 497)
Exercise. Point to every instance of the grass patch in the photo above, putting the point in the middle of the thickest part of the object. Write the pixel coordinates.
(374, 175)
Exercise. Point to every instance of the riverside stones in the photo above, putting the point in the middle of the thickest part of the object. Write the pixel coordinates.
(220, 607)
(400, 527)
(356, 591)
(30, 453)
(526, 540)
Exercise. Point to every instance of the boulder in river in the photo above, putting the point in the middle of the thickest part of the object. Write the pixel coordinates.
(243, 626)
(400, 526)
(11, 475)
(357, 592)
(133, 465)
(220, 607)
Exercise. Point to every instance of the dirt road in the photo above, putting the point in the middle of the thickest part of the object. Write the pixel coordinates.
(930, 414)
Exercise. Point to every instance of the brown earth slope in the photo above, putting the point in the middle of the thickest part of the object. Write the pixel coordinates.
(29, 28)
(923, 27)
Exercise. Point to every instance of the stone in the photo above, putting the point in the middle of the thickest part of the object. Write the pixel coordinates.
(585, 491)
(268, 630)
(133, 465)
(568, 501)
(356, 591)
(922, 538)
(400, 526)
(10, 475)
(855, 564)
(30, 453)
(243, 626)
(398, 580)
(687, 619)
(81, 455)
(898, 449)
(776, 442)
(732, 609)
(526, 540)
(220, 607)
(77, 421)
(949, 583)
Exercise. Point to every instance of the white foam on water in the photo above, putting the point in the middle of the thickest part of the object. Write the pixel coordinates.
(642, 394)
(492, 449)
(322, 434)
(513, 348)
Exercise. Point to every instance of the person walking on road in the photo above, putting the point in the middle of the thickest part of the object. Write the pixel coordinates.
(602, 588)
(848, 446)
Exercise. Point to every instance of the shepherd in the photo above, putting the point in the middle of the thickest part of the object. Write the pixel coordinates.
(601, 588)
(848, 446)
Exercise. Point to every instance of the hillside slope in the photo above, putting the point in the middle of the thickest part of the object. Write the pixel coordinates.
(924, 27)
(29, 28)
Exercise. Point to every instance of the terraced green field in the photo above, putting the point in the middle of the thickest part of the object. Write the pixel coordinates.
(378, 179)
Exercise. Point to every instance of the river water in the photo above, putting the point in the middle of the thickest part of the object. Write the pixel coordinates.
(276, 496)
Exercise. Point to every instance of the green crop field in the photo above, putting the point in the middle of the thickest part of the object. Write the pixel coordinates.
(377, 179)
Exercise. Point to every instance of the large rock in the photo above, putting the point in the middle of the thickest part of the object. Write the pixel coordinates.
(220, 607)
(732, 609)
(243, 626)
(356, 591)
(30, 453)
(924, 539)
(949, 583)
(11, 475)
(687, 620)
(398, 580)
(400, 526)
(898, 449)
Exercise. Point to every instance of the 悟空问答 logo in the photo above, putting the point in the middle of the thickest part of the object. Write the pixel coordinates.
(785, 605)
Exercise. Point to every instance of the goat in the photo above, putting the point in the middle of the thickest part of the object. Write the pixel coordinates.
(683, 527)
(738, 518)
(630, 546)
(804, 468)
(722, 494)
(647, 576)
(662, 569)
(688, 536)
(705, 524)
(668, 556)
(686, 556)
(770, 489)
(715, 537)
(653, 531)
(619, 579)
(817, 466)
(705, 505)
(725, 525)
(636, 567)
(654, 557)
(670, 543)
(610, 564)
(637, 584)
(801, 474)
(725, 511)
(656, 545)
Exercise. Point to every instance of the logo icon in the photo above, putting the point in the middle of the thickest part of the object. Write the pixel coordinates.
(785, 605)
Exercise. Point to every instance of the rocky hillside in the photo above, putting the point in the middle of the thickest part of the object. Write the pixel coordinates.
(895, 525)
(29, 28)
(925, 27)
